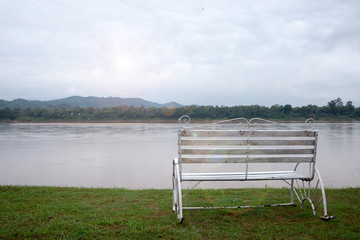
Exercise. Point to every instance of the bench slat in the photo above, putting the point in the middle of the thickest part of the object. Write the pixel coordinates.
(238, 176)
(245, 133)
(244, 159)
(238, 173)
(234, 151)
(230, 142)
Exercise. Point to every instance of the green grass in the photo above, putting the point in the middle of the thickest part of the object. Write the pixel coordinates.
(96, 213)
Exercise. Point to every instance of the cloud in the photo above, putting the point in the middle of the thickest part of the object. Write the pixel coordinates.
(204, 52)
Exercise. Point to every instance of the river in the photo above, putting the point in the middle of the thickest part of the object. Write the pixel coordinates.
(138, 155)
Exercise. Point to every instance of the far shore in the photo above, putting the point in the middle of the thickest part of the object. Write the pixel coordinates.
(96, 121)
(197, 121)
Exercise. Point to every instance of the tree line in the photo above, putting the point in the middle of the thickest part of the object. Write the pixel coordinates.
(335, 109)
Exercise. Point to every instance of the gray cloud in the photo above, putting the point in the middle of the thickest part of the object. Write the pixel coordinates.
(203, 52)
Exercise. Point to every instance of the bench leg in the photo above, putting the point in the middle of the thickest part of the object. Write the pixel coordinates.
(173, 186)
(177, 195)
(312, 191)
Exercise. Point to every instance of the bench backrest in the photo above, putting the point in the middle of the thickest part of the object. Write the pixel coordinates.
(207, 144)
(255, 146)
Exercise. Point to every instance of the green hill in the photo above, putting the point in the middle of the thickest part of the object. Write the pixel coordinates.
(83, 102)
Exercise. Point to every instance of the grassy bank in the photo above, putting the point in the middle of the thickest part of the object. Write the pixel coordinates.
(83, 213)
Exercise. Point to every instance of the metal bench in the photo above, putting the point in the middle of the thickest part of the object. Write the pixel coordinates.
(248, 146)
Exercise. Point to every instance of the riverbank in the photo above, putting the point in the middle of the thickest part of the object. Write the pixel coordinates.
(97, 121)
(196, 121)
(99, 213)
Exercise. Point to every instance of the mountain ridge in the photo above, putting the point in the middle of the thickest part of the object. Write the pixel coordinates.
(84, 102)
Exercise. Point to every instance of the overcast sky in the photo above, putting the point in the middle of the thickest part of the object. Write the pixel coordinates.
(192, 52)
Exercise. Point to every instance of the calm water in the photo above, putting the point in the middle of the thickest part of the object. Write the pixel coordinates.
(138, 155)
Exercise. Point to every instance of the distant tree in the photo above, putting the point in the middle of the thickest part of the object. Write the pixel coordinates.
(287, 109)
(313, 111)
(336, 106)
(7, 114)
(276, 111)
(349, 108)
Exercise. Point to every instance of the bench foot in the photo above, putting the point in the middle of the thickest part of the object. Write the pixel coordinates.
(312, 191)
(327, 218)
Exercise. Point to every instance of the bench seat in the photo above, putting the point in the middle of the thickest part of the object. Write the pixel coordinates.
(241, 176)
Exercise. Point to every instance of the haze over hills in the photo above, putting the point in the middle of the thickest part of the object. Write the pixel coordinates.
(84, 102)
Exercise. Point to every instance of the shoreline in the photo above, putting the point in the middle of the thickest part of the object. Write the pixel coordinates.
(96, 121)
(197, 121)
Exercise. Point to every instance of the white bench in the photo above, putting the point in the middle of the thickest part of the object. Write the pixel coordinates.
(248, 146)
